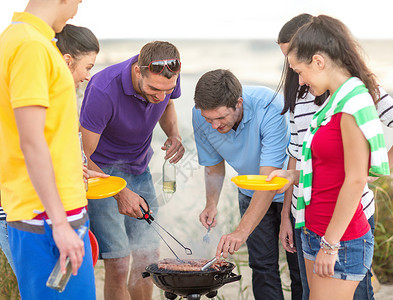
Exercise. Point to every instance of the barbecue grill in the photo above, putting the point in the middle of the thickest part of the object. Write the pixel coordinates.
(191, 284)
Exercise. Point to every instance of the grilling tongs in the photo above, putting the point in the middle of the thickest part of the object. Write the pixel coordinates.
(209, 263)
(149, 219)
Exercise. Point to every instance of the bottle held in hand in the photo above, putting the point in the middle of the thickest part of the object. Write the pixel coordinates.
(168, 175)
(57, 280)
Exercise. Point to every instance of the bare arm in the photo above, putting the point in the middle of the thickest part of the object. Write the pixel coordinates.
(257, 209)
(214, 179)
(286, 231)
(356, 158)
(127, 201)
(31, 122)
(168, 123)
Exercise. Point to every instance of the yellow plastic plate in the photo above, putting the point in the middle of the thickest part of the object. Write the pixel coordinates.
(258, 182)
(104, 187)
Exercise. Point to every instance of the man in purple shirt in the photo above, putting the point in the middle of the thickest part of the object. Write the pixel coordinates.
(121, 107)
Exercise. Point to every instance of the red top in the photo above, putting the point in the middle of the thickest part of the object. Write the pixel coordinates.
(328, 177)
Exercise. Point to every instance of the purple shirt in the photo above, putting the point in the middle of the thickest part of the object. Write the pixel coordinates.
(125, 120)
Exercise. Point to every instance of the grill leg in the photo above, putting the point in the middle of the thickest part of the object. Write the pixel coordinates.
(170, 295)
(211, 294)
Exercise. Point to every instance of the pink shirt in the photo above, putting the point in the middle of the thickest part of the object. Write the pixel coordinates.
(328, 177)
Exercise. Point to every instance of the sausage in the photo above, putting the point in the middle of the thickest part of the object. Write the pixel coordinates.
(194, 265)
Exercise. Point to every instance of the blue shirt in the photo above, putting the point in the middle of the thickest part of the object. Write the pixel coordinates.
(260, 139)
(125, 120)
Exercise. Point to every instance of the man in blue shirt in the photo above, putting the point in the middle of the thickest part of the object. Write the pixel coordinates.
(244, 127)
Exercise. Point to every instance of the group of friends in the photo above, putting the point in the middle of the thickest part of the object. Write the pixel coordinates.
(324, 134)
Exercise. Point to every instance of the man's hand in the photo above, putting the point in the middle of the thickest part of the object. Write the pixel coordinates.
(291, 175)
(230, 243)
(286, 235)
(129, 203)
(208, 217)
(69, 245)
(173, 147)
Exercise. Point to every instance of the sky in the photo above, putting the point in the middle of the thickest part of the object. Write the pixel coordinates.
(216, 19)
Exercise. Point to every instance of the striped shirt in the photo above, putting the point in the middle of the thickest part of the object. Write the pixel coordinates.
(2, 214)
(299, 122)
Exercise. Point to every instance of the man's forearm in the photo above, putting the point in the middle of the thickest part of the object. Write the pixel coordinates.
(40, 169)
(214, 179)
(259, 205)
(30, 122)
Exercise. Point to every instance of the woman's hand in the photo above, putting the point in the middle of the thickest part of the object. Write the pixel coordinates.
(324, 262)
(90, 174)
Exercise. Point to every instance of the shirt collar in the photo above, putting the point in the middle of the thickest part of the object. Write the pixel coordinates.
(126, 78)
(39, 24)
(247, 114)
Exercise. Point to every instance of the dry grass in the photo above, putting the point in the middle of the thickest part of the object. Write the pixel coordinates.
(383, 248)
(8, 284)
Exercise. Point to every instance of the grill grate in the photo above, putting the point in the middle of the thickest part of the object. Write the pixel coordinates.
(153, 268)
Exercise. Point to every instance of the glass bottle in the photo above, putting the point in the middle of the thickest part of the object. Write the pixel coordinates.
(168, 177)
(84, 158)
(57, 280)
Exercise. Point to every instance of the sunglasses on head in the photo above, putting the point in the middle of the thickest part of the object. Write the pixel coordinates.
(158, 66)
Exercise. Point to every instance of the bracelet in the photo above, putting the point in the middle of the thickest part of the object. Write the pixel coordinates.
(329, 252)
(325, 245)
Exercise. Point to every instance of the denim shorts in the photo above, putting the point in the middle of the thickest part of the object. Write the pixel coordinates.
(118, 234)
(354, 256)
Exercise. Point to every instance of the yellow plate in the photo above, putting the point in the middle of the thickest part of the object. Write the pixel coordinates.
(104, 187)
(258, 182)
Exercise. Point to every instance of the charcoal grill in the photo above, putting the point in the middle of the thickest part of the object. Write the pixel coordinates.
(191, 284)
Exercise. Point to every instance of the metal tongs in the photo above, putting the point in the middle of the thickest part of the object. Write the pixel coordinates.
(209, 263)
(149, 219)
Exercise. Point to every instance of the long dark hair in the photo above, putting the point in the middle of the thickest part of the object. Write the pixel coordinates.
(330, 36)
(289, 80)
(77, 41)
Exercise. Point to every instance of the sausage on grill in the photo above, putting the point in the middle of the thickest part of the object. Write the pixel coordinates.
(193, 265)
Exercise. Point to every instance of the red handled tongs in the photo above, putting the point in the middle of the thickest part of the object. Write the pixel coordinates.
(149, 219)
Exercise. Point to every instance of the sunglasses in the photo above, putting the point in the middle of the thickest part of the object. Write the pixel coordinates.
(157, 66)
